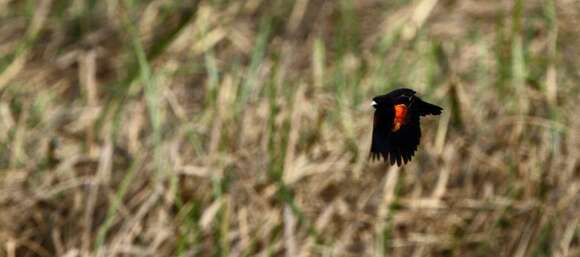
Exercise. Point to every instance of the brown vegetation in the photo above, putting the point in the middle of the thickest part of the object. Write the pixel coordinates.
(242, 128)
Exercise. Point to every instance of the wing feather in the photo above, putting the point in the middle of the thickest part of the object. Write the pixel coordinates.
(382, 125)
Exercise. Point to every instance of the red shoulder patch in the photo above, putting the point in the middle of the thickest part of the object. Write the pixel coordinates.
(400, 115)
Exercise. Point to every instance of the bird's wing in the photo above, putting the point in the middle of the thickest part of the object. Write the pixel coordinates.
(382, 126)
(398, 146)
(404, 142)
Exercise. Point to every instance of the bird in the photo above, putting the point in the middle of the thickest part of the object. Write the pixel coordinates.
(396, 125)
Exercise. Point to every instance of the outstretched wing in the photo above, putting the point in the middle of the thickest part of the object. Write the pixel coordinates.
(398, 146)
(404, 142)
(382, 126)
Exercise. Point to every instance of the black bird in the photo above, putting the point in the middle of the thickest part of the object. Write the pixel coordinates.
(396, 126)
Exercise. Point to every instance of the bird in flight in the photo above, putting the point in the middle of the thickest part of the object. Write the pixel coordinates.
(396, 126)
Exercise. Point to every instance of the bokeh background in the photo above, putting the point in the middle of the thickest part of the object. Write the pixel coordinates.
(242, 128)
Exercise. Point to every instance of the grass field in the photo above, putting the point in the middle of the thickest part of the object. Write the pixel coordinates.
(242, 128)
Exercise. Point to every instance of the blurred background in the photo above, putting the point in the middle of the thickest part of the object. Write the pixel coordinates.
(242, 128)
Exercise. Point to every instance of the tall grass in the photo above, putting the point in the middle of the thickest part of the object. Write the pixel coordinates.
(242, 128)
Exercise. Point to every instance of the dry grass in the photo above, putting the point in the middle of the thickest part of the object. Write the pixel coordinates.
(242, 128)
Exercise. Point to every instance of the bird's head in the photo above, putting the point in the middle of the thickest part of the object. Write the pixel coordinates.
(397, 96)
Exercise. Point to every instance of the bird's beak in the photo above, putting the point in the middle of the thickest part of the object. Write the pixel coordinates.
(374, 104)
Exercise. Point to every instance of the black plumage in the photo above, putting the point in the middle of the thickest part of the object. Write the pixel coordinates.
(396, 125)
